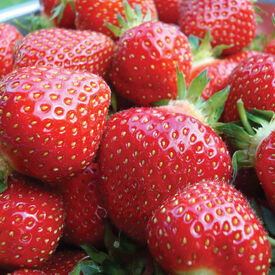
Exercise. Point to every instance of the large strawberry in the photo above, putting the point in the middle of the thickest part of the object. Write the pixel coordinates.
(92, 15)
(255, 145)
(168, 10)
(9, 35)
(73, 49)
(51, 120)
(146, 154)
(145, 60)
(83, 207)
(31, 222)
(252, 81)
(62, 11)
(209, 228)
(232, 23)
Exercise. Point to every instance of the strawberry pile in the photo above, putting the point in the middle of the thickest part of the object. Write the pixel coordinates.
(138, 138)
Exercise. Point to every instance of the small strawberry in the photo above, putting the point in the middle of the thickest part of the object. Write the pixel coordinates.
(252, 81)
(92, 15)
(31, 222)
(208, 228)
(51, 120)
(256, 146)
(270, 47)
(73, 49)
(8, 37)
(168, 10)
(83, 207)
(62, 11)
(145, 59)
(147, 154)
(231, 23)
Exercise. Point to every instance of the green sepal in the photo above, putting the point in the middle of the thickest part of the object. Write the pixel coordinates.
(243, 116)
(59, 7)
(114, 102)
(90, 268)
(181, 87)
(162, 102)
(157, 269)
(3, 181)
(133, 18)
(97, 256)
(111, 268)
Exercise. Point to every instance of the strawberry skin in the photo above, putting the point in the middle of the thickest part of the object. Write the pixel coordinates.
(168, 10)
(68, 17)
(145, 59)
(230, 22)
(8, 37)
(83, 207)
(265, 163)
(208, 227)
(73, 49)
(64, 113)
(147, 154)
(251, 80)
(92, 15)
(27, 271)
(270, 47)
(31, 224)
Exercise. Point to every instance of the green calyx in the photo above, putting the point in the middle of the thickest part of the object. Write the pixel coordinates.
(134, 18)
(247, 134)
(58, 10)
(190, 102)
(203, 51)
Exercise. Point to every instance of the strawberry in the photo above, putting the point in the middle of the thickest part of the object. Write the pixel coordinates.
(146, 154)
(232, 23)
(270, 47)
(255, 145)
(73, 49)
(27, 271)
(208, 228)
(218, 71)
(168, 10)
(51, 120)
(9, 35)
(83, 207)
(251, 80)
(63, 8)
(31, 224)
(92, 15)
(145, 58)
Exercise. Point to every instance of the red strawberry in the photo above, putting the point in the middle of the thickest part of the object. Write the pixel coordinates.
(168, 10)
(27, 271)
(251, 80)
(232, 23)
(218, 71)
(51, 120)
(65, 7)
(78, 50)
(83, 207)
(145, 59)
(270, 47)
(31, 224)
(256, 146)
(208, 228)
(146, 154)
(8, 37)
(92, 15)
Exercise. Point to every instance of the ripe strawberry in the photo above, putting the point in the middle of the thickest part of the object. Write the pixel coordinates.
(208, 228)
(64, 8)
(270, 47)
(51, 120)
(8, 37)
(92, 15)
(146, 154)
(27, 271)
(218, 71)
(232, 23)
(256, 146)
(168, 11)
(144, 63)
(251, 80)
(78, 50)
(83, 207)
(31, 224)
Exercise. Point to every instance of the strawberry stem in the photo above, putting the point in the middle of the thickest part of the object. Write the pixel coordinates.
(133, 17)
(243, 116)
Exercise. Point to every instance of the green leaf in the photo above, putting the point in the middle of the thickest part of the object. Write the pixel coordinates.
(76, 270)
(268, 219)
(111, 268)
(194, 42)
(96, 255)
(181, 87)
(90, 268)
(266, 115)
(58, 10)
(197, 86)
(162, 102)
